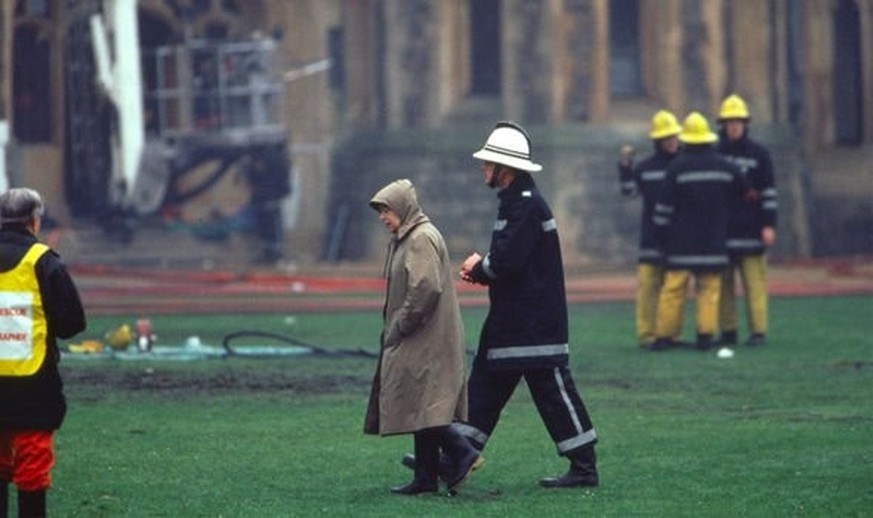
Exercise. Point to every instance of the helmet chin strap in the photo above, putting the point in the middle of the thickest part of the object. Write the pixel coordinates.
(495, 176)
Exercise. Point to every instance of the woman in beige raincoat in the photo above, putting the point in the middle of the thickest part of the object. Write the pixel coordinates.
(419, 386)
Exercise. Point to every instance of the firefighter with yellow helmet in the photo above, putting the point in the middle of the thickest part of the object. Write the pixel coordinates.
(752, 227)
(691, 215)
(644, 179)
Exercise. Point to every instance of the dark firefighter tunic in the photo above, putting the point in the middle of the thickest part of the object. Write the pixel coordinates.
(526, 326)
(749, 217)
(646, 179)
(694, 207)
(37, 402)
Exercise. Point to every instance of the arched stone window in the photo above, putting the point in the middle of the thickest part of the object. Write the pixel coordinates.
(485, 47)
(32, 101)
(624, 49)
(848, 101)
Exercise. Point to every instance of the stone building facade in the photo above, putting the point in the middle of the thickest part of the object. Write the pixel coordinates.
(378, 89)
(585, 75)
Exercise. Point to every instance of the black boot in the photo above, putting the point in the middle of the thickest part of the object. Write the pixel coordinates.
(4, 499)
(582, 473)
(728, 338)
(462, 458)
(756, 340)
(427, 455)
(661, 344)
(408, 460)
(704, 342)
(455, 446)
(31, 504)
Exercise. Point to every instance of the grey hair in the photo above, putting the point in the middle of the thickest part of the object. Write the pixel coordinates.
(20, 206)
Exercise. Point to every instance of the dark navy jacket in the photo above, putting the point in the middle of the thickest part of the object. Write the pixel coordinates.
(526, 326)
(646, 180)
(37, 402)
(749, 217)
(694, 207)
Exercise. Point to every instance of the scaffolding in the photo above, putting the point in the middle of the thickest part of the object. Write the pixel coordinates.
(226, 90)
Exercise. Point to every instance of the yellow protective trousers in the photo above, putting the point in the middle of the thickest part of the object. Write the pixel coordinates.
(671, 302)
(650, 278)
(753, 274)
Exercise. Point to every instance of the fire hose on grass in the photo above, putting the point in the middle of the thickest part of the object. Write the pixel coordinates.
(302, 347)
(122, 345)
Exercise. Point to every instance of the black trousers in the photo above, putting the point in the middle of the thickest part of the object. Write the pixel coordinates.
(558, 402)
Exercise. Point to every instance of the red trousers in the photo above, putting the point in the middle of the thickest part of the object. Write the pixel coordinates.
(26, 458)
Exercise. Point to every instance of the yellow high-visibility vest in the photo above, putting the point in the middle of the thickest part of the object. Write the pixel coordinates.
(23, 326)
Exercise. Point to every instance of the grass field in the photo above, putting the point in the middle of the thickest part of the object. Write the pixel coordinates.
(784, 430)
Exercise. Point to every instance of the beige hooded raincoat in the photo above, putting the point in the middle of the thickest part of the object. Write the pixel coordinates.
(420, 379)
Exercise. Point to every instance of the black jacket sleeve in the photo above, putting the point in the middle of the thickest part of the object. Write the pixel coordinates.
(64, 311)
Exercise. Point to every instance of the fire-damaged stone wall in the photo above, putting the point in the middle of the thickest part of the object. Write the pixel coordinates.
(597, 225)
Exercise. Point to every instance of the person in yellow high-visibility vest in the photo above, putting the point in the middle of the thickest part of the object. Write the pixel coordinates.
(38, 304)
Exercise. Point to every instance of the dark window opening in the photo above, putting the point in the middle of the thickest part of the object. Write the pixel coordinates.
(847, 74)
(485, 47)
(335, 44)
(31, 87)
(230, 6)
(624, 49)
(216, 31)
(200, 6)
(153, 32)
(89, 122)
(35, 8)
(795, 57)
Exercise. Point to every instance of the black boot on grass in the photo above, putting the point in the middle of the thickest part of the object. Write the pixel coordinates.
(704, 342)
(756, 340)
(728, 338)
(582, 472)
(427, 457)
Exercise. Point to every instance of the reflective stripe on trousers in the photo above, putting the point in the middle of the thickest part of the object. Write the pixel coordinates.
(554, 393)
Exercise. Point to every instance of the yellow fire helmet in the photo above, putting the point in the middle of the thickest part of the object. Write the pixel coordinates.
(120, 337)
(664, 124)
(733, 107)
(695, 130)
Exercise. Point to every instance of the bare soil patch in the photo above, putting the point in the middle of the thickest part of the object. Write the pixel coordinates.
(175, 383)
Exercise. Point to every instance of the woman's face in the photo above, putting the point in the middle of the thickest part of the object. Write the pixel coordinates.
(389, 218)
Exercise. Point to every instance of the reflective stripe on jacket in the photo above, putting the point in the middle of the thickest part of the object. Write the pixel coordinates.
(749, 217)
(526, 326)
(694, 208)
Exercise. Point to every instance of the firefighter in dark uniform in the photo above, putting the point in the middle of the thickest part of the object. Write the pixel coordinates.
(752, 228)
(38, 303)
(692, 217)
(525, 334)
(645, 180)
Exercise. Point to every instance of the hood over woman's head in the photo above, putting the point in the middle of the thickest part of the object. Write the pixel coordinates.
(400, 197)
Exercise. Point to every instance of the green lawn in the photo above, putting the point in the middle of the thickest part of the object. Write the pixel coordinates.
(784, 430)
